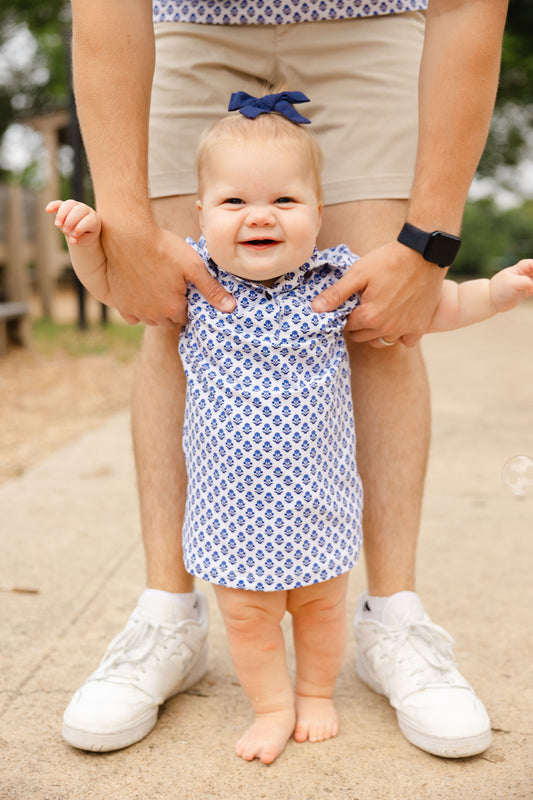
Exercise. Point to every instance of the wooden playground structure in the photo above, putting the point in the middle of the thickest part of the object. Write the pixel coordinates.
(31, 255)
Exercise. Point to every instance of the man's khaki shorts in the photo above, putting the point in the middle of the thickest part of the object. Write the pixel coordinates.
(360, 74)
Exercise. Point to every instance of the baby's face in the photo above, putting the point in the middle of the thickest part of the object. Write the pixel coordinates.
(259, 211)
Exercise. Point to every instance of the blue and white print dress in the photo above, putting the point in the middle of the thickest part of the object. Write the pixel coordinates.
(274, 498)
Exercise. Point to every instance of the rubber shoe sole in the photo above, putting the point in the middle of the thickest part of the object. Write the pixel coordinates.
(105, 742)
(445, 748)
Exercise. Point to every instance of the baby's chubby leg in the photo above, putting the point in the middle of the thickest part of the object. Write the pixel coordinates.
(257, 649)
(319, 627)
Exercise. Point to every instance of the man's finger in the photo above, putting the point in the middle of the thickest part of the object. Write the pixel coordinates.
(168, 322)
(129, 318)
(410, 339)
(332, 297)
(364, 335)
(380, 343)
(213, 292)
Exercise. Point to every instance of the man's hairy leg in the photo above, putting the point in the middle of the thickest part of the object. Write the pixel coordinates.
(158, 404)
(392, 414)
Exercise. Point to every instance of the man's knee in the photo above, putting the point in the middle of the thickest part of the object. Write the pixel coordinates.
(364, 353)
(159, 362)
(160, 342)
(388, 363)
(159, 384)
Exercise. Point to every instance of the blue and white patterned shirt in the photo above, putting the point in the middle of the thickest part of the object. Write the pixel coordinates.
(274, 498)
(276, 12)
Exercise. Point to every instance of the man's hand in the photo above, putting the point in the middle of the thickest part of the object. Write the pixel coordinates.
(399, 292)
(148, 270)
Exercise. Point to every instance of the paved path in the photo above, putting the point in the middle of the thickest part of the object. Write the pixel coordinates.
(69, 530)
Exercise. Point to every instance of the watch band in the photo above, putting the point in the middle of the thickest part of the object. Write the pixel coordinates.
(437, 247)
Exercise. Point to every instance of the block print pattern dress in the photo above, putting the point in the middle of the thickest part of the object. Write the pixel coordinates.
(274, 498)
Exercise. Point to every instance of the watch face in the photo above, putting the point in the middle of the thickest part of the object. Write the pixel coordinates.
(442, 248)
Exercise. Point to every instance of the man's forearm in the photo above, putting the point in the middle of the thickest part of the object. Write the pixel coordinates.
(457, 89)
(113, 62)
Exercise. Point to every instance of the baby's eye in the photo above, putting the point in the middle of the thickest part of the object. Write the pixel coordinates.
(282, 200)
(233, 201)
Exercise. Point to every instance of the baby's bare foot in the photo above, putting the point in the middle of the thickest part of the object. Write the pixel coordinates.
(267, 737)
(316, 719)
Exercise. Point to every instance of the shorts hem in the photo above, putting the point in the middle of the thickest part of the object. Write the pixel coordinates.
(170, 184)
(382, 187)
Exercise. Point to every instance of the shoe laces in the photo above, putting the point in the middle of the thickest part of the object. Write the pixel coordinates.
(129, 654)
(422, 651)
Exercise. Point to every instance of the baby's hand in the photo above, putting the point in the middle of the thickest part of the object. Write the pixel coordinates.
(512, 285)
(81, 226)
(80, 223)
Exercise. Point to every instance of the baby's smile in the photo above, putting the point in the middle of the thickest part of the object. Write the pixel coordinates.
(260, 244)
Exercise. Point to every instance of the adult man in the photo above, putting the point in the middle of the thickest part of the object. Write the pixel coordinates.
(400, 652)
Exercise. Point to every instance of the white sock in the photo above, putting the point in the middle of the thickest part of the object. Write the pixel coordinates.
(170, 607)
(374, 607)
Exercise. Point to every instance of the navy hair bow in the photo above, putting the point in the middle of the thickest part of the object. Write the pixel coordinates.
(252, 107)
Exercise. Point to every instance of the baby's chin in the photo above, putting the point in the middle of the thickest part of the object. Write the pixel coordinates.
(261, 273)
(265, 280)
(265, 277)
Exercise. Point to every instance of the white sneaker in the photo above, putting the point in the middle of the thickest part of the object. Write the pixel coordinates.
(144, 665)
(409, 659)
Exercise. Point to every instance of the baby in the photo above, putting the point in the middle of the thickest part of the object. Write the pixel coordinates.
(274, 503)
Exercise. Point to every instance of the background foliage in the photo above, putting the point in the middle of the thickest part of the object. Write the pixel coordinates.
(493, 237)
(510, 138)
(44, 83)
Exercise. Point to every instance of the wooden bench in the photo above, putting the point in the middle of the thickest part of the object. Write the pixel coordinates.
(14, 325)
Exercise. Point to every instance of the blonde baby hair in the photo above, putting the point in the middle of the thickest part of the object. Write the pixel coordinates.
(269, 127)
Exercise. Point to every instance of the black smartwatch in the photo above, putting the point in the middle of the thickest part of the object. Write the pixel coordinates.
(436, 246)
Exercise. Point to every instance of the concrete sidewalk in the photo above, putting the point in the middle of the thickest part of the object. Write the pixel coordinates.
(70, 531)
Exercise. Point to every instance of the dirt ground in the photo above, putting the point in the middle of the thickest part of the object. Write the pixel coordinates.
(47, 400)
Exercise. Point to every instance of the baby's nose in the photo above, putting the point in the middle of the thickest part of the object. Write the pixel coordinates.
(260, 215)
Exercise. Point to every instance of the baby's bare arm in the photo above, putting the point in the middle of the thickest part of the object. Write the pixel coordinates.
(81, 227)
(463, 304)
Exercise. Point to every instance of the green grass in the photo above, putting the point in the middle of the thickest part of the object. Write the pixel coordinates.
(117, 339)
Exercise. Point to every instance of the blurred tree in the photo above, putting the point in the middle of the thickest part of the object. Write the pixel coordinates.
(484, 240)
(511, 135)
(33, 61)
(518, 223)
(493, 237)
